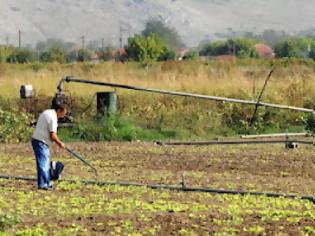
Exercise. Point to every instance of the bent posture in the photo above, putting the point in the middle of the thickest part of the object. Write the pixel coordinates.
(44, 135)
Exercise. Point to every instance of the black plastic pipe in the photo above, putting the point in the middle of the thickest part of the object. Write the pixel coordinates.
(232, 142)
(174, 188)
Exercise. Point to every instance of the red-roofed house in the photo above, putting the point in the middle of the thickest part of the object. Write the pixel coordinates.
(264, 51)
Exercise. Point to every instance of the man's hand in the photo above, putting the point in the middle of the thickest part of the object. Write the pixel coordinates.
(61, 145)
(54, 138)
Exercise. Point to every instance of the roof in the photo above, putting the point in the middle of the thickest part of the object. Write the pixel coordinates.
(264, 50)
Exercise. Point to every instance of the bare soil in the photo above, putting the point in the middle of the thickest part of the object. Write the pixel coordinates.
(268, 168)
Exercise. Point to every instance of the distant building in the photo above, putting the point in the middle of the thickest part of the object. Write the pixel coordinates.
(181, 53)
(120, 55)
(264, 51)
(94, 57)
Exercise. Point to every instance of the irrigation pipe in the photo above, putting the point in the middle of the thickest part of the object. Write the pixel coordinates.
(174, 188)
(68, 79)
(232, 142)
(285, 135)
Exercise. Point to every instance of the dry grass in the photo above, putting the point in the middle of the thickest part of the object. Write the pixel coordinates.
(290, 84)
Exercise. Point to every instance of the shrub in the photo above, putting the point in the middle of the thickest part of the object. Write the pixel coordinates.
(14, 127)
(22, 55)
(294, 48)
(54, 54)
(146, 49)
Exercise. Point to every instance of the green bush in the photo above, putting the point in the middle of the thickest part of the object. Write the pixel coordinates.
(14, 127)
(146, 49)
(113, 128)
(240, 47)
(22, 55)
(295, 48)
(54, 54)
(310, 123)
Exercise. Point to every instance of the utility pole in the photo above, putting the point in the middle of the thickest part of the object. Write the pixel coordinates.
(103, 45)
(20, 40)
(121, 31)
(7, 40)
(83, 42)
(120, 37)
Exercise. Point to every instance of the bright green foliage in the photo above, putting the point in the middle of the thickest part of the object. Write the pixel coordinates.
(167, 54)
(240, 47)
(214, 49)
(54, 54)
(190, 55)
(111, 128)
(294, 48)
(7, 221)
(167, 34)
(243, 47)
(14, 127)
(146, 49)
(38, 231)
(5, 52)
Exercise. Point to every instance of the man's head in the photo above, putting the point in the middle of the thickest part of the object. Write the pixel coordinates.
(59, 104)
(61, 111)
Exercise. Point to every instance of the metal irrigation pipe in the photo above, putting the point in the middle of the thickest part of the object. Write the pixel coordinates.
(231, 142)
(68, 79)
(174, 188)
(274, 135)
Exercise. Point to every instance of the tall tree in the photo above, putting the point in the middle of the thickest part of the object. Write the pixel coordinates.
(168, 34)
(146, 49)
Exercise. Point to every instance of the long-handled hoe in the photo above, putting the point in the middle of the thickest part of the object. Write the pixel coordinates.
(78, 156)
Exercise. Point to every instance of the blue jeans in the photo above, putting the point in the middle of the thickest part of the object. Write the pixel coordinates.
(42, 156)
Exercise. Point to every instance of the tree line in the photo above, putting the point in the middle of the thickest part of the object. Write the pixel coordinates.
(158, 42)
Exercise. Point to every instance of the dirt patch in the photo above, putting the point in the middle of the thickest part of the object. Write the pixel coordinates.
(86, 209)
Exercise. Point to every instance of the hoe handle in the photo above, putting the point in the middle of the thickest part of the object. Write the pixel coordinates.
(78, 156)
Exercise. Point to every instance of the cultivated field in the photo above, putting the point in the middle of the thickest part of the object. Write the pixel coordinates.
(77, 209)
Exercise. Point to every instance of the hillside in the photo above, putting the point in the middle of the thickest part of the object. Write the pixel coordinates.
(195, 20)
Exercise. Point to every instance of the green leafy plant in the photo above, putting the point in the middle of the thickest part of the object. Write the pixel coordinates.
(7, 221)
(14, 126)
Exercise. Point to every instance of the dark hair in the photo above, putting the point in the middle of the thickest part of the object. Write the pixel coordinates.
(57, 107)
(59, 102)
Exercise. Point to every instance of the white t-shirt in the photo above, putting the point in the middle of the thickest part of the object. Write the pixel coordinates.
(47, 122)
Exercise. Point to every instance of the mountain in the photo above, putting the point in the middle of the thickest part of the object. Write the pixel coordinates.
(195, 20)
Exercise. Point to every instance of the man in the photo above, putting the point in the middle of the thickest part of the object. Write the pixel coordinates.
(44, 135)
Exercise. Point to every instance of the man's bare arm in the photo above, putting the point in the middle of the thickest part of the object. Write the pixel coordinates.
(54, 138)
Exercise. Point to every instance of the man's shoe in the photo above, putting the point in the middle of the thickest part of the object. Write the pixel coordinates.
(46, 188)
